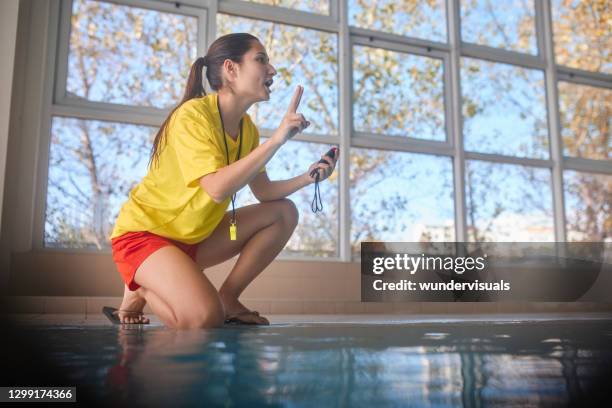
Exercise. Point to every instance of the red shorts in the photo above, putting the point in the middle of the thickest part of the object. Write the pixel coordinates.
(132, 248)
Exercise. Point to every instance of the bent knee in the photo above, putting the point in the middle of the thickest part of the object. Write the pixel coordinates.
(290, 213)
(206, 318)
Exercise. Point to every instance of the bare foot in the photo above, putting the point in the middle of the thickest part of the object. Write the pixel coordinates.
(131, 307)
(232, 306)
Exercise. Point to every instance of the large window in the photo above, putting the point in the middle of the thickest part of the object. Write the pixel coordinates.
(503, 109)
(512, 143)
(586, 124)
(397, 196)
(412, 18)
(508, 24)
(588, 199)
(129, 55)
(506, 202)
(582, 34)
(117, 57)
(93, 165)
(398, 94)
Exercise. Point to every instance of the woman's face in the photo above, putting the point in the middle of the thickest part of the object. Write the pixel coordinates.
(254, 75)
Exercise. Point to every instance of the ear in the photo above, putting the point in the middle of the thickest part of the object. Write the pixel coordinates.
(230, 69)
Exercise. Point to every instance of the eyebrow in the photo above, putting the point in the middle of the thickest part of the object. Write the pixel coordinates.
(262, 53)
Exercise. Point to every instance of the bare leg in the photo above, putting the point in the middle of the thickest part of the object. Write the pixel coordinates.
(177, 291)
(263, 231)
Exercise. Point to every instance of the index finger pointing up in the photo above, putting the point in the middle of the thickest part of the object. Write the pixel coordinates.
(295, 101)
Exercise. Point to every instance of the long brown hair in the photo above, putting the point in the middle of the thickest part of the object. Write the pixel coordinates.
(230, 46)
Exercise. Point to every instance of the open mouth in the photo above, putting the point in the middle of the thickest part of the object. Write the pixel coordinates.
(268, 84)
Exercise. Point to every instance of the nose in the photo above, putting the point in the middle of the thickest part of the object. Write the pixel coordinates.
(273, 70)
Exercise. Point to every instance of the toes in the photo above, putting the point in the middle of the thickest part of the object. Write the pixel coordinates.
(131, 319)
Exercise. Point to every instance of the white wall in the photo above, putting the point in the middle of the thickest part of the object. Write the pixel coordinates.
(9, 10)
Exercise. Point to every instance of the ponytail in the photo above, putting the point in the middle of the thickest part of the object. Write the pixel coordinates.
(194, 89)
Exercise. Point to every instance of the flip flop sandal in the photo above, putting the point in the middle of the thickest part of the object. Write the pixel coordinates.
(236, 320)
(113, 314)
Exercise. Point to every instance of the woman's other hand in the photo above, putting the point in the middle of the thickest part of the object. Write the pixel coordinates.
(324, 170)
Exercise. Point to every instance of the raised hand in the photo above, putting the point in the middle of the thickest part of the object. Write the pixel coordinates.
(293, 122)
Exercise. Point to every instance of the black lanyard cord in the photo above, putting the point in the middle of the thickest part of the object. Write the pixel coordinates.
(227, 154)
(317, 203)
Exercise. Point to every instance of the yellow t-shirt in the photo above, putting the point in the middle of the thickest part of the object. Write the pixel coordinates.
(169, 200)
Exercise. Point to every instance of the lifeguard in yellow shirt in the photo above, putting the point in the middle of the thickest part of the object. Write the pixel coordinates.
(174, 222)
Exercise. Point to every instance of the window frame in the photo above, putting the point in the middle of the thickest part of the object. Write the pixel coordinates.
(487, 50)
(109, 110)
(62, 105)
(55, 102)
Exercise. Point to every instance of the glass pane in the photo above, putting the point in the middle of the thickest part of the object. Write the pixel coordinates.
(128, 55)
(588, 206)
(582, 34)
(397, 196)
(301, 57)
(398, 94)
(504, 109)
(312, 6)
(508, 24)
(92, 167)
(412, 18)
(586, 113)
(316, 234)
(508, 203)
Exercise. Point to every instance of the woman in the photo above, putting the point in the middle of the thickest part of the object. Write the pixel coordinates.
(174, 222)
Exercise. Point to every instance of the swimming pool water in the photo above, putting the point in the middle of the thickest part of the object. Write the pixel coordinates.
(449, 364)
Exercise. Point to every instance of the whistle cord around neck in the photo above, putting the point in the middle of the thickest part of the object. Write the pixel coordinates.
(317, 203)
(233, 220)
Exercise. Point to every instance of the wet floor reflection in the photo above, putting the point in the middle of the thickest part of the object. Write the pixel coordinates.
(443, 364)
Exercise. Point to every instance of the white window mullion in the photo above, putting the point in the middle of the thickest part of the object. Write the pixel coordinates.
(587, 165)
(346, 127)
(584, 78)
(206, 30)
(130, 114)
(499, 158)
(400, 144)
(371, 37)
(61, 66)
(334, 10)
(44, 132)
(212, 35)
(454, 37)
(305, 137)
(486, 53)
(544, 15)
